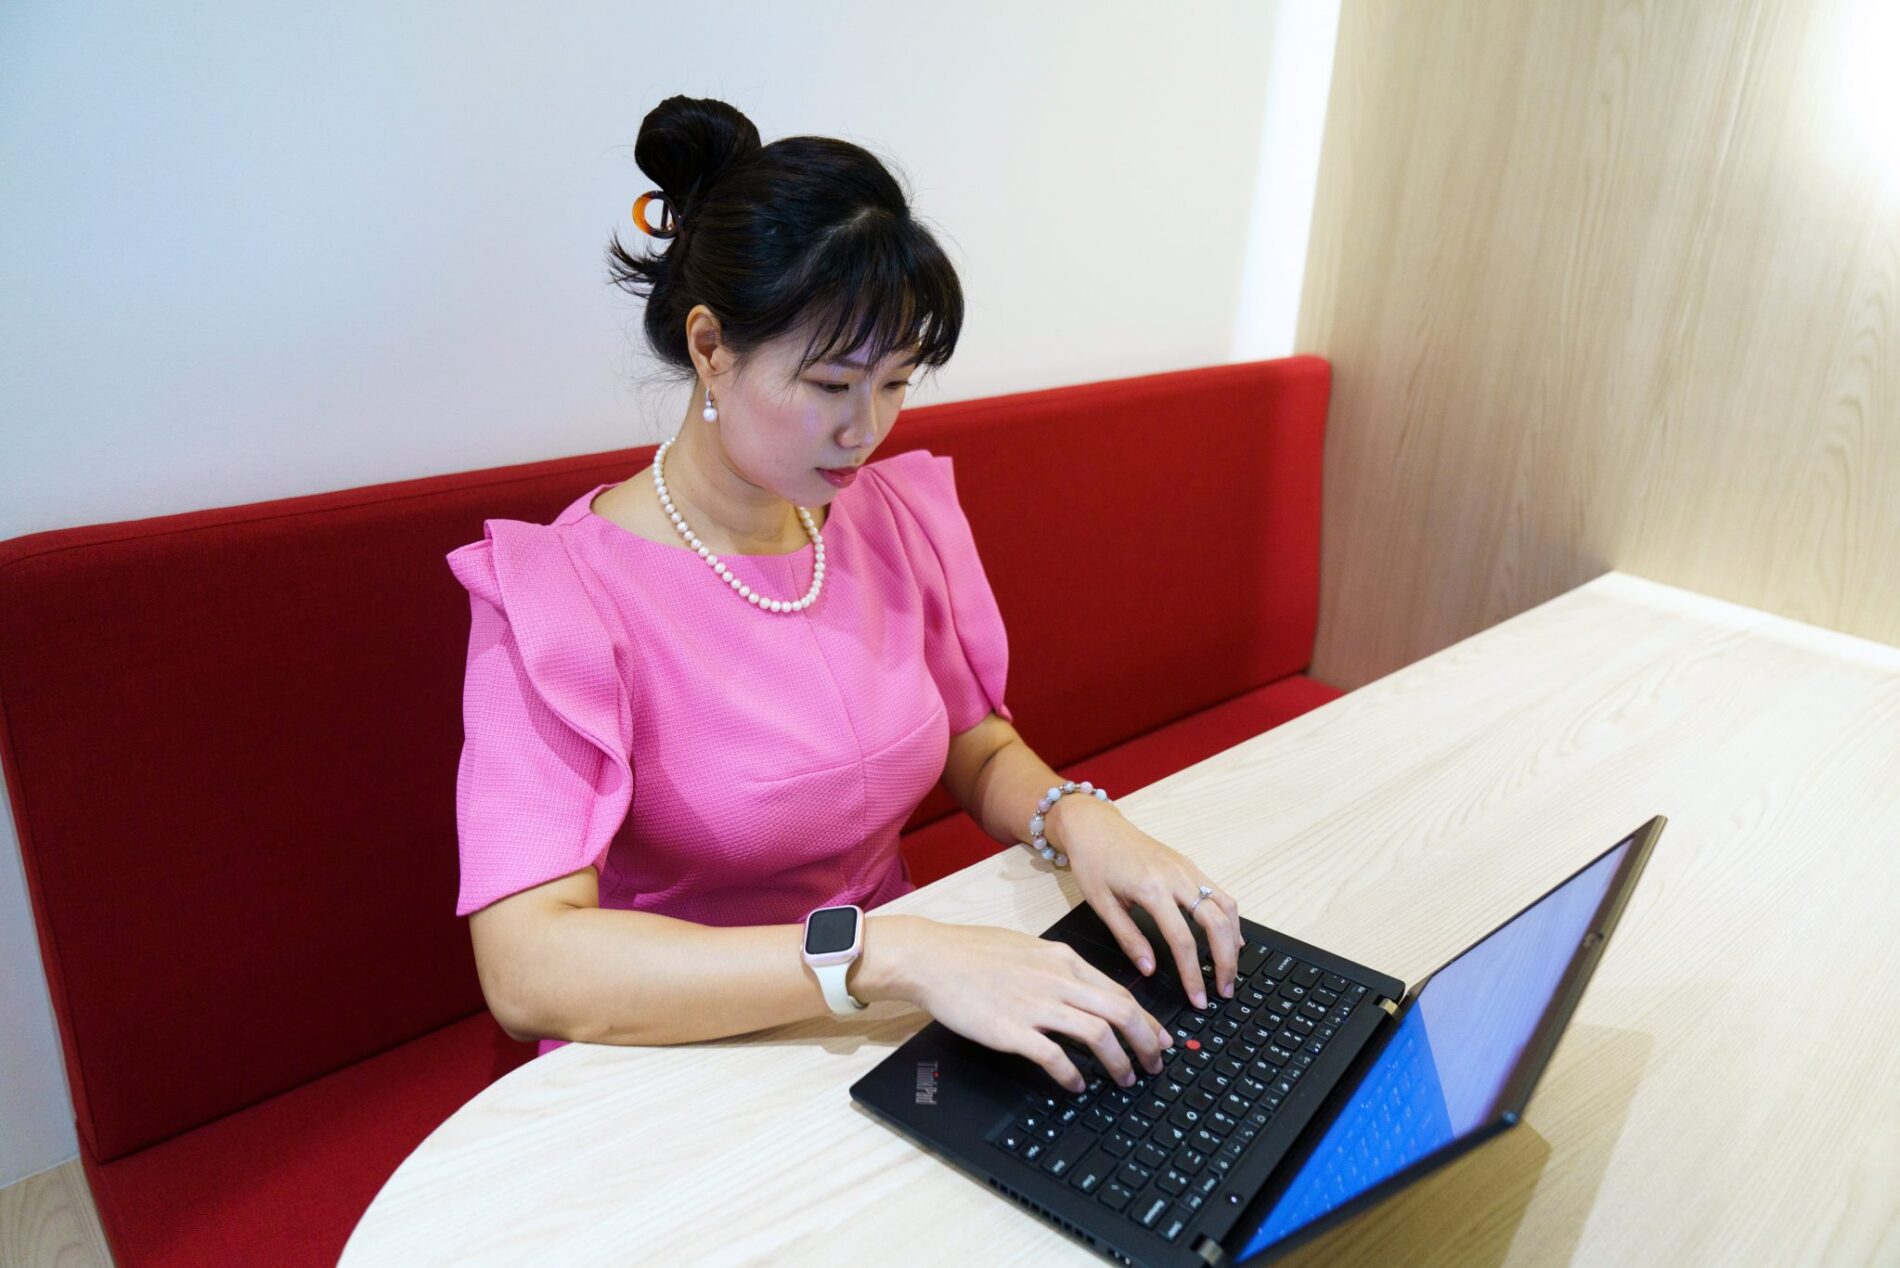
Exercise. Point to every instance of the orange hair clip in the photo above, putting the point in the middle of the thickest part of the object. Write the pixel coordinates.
(668, 227)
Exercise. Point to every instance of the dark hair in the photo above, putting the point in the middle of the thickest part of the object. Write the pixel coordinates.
(806, 230)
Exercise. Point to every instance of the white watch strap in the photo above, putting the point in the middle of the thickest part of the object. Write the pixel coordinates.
(831, 977)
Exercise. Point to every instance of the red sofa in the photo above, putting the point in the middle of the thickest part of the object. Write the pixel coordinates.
(230, 741)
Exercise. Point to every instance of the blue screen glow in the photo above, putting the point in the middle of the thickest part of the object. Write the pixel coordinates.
(1443, 1070)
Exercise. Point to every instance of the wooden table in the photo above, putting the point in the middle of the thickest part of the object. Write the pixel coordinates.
(1729, 1090)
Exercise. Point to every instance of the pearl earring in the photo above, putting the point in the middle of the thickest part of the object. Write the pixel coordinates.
(711, 412)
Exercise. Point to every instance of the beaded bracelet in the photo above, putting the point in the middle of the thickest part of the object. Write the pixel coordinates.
(1037, 820)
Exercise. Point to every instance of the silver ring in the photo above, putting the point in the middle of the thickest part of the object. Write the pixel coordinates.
(1206, 891)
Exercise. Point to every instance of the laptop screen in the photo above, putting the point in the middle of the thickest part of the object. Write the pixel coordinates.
(1443, 1071)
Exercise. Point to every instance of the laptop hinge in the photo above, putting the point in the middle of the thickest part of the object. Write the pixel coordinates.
(1390, 1008)
(1209, 1249)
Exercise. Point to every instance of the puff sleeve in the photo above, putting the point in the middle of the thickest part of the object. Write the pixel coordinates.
(965, 645)
(543, 782)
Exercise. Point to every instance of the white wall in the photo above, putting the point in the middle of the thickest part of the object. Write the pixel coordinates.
(262, 250)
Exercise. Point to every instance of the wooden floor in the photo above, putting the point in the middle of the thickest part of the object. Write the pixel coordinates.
(48, 1221)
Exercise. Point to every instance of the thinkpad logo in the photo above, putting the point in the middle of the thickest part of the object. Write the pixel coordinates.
(926, 1082)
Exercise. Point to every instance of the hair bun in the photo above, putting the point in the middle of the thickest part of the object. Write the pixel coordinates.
(686, 142)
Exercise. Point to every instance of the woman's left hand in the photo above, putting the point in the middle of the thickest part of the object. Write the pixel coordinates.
(1118, 865)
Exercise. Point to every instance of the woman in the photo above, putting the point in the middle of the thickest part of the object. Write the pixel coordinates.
(787, 685)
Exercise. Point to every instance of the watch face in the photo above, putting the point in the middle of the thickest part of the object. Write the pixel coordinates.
(831, 929)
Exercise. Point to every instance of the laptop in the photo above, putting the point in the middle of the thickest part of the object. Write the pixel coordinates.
(1319, 1089)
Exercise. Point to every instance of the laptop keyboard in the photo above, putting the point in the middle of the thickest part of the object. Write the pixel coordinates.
(1158, 1149)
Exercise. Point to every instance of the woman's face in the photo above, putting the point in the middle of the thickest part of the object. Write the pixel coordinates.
(780, 426)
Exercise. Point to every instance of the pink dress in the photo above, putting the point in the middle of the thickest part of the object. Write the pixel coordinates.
(718, 763)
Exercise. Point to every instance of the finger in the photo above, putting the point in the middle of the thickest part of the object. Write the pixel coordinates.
(1052, 1057)
(1128, 935)
(1098, 1034)
(1099, 994)
(1122, 996)
(1221, 937)
(1187, 957)
(1239, 936)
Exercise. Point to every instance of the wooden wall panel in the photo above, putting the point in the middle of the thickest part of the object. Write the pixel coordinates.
(1606, 285)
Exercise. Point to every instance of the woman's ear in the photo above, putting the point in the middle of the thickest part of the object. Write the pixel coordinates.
(703, 342)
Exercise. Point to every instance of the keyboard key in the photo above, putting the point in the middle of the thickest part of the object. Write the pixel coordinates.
(1118, 1143)
(1067, 1153)
(1151, 1155)
(1306, 975)
(1172, 1181)
(1175, 1222)
(1116, 1195)
(1011, 1140)
(1333, 982)
(1094, 1167)
(1186, 1117)
(1132, 1175)
(1168, 1135)
(1252, 956)
(1149, 1208)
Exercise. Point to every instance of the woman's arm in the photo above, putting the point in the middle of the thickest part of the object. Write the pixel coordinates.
(1003, 791)
(1000, 780)
(554, 964)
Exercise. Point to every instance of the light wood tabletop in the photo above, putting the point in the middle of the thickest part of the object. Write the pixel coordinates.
(1728, 1091)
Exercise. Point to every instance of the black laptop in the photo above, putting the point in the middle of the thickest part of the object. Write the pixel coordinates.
(1319, 1089)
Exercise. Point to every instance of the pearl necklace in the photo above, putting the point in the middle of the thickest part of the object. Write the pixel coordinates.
(746, 592)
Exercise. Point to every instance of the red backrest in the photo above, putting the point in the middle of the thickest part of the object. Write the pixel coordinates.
(230, 736)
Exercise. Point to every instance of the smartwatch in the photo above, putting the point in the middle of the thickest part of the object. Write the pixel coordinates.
(833, 938)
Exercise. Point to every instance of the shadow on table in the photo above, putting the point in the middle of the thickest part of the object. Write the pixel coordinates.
(1498, 1197)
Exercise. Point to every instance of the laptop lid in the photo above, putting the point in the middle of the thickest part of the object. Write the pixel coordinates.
(1456, 1064)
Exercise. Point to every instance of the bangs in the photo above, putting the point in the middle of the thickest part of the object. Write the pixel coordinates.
(876, 287)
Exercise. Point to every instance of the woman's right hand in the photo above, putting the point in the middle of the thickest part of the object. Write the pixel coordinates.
(1005, 989)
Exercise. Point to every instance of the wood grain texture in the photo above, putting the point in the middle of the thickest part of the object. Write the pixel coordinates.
(48, 1221)
(1606, 284)
(1724, 1094)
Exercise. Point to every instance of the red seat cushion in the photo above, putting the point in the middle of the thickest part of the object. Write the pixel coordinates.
(285, 1181)
(955, 841)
